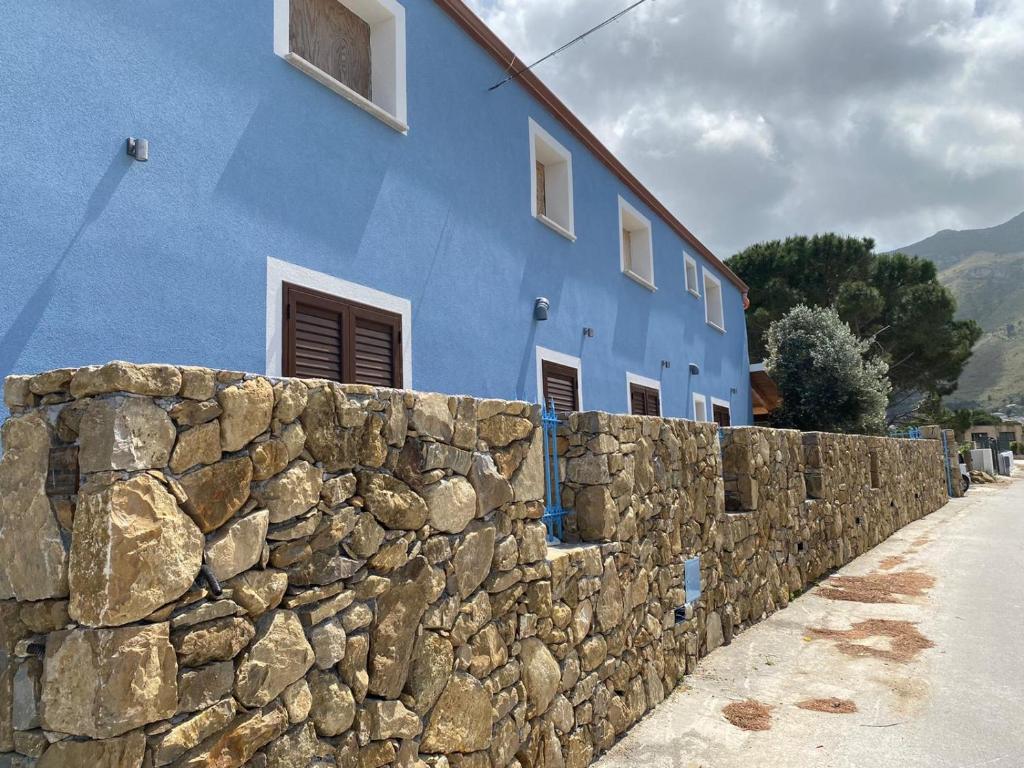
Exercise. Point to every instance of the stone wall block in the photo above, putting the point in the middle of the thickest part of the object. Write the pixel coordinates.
(133, 550)
(33, 559)
(124, 433)
(279, 655)
(102, 683)
(247, 410)
(217, 492)
(119, 376)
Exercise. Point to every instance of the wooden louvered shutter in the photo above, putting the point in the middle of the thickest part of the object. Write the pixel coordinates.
(314, 335)
(721, 415)
(644, 401)
(376, 348)
(328, 338)
(561, 385)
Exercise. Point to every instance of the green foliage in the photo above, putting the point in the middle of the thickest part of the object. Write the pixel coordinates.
(827, 379)
(894, 301)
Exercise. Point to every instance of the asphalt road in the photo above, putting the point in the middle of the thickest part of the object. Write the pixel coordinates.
(959, 702)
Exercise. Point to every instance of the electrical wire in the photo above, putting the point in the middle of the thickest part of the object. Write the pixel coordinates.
(571, 43)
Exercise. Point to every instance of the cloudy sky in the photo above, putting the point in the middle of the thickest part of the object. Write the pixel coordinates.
(757, 119)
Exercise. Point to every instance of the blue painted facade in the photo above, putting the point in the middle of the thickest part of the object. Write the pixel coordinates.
(105, 258)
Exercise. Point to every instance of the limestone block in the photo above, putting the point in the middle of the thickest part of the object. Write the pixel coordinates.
(328, 641)
(124, 433)
(216, 492)
(292, 492)
(124, 752)
(391, 720)
(399, 611)
(541, 675)
(119, 376)
(492, 489)
(269, 458)
(297, 700)
(289, 400)
(431, 667)
(451, 504)
(334, 708)
(278, 657)
(295, 749)
(471, 561)
(203, 687)
(248, 408)
(218, 640)
(431, 417)
(238, 545)
(610, 599)
(528, 481)
(237, 744)
(133, 550)
(258, 591)
(192, 413)
(197, 383)
(199, 445)
(33, 561)
(462, 719)
(102, 683)
(338, 490)
(502, 429)
(188, 734)
(334, 428)
(597, 514)
(392, 502)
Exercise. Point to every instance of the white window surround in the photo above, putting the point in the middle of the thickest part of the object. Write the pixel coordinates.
(281, 272)
(690, 265)
(700, 407)
(714, 302)
(721, 404)
(559, 358)
(636, 223)
(557, 162)
(642, 381)
(386, 19)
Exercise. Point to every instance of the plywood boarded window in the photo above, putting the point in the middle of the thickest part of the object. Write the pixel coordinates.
(644, 401)
(329, 338)
(561, 386)
(334, 39)
(721, 414)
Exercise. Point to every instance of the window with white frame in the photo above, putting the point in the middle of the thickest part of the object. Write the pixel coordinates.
(714, 310)
(643, 395)
(636, 250)
(700, 407)
(354, 47)
(721, 412)
(551, 182)
(691, 275)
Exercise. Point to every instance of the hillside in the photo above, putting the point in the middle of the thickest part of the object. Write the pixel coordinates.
(984, 268)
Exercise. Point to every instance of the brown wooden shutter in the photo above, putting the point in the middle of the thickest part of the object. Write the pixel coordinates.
(328, 338)
(561, 385)
(334, 39)
(721, 415)
(644, 401)
(376, 349)
(542, 191)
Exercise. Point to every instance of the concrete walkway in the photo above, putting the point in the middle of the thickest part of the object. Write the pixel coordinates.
(958, 702)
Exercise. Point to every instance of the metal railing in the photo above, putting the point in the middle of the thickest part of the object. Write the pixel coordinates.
(554, 514)
(910, 433)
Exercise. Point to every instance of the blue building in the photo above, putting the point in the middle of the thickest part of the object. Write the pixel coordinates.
(331, 189)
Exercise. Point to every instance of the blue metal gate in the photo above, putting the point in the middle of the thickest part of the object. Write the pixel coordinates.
(554, 515)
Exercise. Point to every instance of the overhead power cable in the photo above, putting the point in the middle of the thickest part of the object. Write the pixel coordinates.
(571, 43)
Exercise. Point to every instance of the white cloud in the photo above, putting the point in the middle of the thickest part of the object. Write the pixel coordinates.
(756, 119)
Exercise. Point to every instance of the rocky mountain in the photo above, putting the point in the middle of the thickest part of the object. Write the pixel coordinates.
(984, 268)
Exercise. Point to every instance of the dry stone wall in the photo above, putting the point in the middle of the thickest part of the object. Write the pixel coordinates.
(205, 568)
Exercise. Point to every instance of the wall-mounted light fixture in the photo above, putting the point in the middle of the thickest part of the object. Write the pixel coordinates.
(540, 308)
(694, 369)
(139, 149)
(666, 363)
(588, 332)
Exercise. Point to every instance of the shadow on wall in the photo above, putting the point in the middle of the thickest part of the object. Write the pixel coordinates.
(27, 320)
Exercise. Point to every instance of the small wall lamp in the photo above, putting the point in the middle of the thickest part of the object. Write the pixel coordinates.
(139, 149)
(588, 332)
(694, 369)
(540, 308)
(666, 363)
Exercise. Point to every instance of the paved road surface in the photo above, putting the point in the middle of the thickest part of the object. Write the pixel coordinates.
(959, 703)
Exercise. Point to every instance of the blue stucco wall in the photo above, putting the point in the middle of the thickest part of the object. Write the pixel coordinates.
(103, 258)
